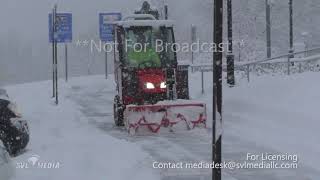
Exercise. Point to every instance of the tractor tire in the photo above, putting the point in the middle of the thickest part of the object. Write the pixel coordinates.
(118, 112)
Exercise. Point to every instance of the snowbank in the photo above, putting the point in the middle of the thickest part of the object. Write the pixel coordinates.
(275, 114)
(6, 166)
(280, 112)
(61, 135)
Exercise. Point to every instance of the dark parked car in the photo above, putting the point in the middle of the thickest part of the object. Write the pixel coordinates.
(14, 131)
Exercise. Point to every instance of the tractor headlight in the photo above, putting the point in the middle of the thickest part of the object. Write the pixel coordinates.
(163, 85)
(149, 85)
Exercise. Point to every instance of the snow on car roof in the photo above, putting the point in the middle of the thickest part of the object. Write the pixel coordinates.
(4, 94)
(153, 23)
(3, 91)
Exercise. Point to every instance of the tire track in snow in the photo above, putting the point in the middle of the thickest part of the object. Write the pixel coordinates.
(190, 146)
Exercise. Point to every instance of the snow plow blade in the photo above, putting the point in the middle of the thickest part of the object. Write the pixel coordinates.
(167, 115)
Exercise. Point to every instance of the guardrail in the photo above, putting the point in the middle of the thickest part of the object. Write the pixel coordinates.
(278, 57)
(280, 60)
(285, 58)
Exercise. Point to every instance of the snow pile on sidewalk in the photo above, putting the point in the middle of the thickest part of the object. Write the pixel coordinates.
(60, 135)
(280, 112)
(271, 114)
(6, 167)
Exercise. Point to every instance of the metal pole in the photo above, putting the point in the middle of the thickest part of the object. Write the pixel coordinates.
(291, 50)
(288, 65)
(305, 48)
(53, 53)
(230, 56)
(166, 12)
(239, 45)
(191, 57)
(300, 67)
(56, 64)
(248, 72)
(268, 29)
(66, 61)
(202, 82)
(106, 58)
(56, 56)
(193, 39)
(217, 88)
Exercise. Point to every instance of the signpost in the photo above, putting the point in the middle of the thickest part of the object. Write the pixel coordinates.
(60, 31)
(106, 30)
(52, 28)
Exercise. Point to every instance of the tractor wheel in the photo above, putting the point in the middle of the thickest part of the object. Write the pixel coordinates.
(118, 112)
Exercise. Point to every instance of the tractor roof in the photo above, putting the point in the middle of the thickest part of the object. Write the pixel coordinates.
(137, 20)
(152, 23)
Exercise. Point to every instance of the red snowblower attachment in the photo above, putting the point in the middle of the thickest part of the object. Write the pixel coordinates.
(171, 116)
(152, 89)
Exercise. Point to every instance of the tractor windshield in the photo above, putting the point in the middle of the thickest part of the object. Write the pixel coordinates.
(145, 47)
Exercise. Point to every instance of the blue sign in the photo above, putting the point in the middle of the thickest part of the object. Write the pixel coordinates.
(106, 26)
(63, 33)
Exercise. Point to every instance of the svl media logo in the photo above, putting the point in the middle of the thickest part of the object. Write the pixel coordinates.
(36, 162)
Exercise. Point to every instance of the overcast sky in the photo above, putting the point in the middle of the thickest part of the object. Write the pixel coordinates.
(24, 49)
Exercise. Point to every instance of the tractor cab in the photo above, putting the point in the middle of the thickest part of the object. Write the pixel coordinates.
(146, 43)
(145, 60)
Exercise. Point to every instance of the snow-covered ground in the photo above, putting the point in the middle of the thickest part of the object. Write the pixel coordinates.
(278, 112)
(268, 115)
(6, 166)
(60, 135)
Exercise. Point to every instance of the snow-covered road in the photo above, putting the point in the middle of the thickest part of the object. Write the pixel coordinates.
(61, 136)
(264, 116)
(96, 102)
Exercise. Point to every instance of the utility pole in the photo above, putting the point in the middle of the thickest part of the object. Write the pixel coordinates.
(230, 56)
(291, 50)
(268, 29)
(217, 88)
